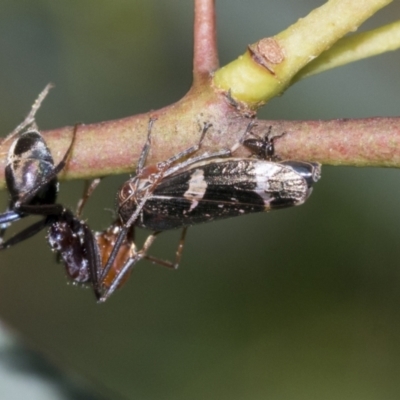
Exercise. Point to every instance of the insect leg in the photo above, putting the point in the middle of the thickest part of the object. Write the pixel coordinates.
(178, 254)
(94, 260)
(122, 234)
(87, 192)
(25, 234)
(128, 265)
(6, 219)
(8, 216)
(67, 154)
(41, 209)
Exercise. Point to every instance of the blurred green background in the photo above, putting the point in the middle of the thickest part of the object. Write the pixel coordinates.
(297, 304)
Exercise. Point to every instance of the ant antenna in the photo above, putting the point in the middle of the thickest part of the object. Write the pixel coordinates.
(30, 118)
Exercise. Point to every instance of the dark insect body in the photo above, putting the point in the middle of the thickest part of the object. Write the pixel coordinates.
(218, 189)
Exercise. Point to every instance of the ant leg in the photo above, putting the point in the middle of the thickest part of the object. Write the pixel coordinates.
(94, 259)
(117, 245)
(6, 219)
(87, 192)
(25, 234)
(8, 216)
(61, 165)
(134, 260)
(128, 265)
(122, 234)
(178, 254)
(41, 209)
(30, 118)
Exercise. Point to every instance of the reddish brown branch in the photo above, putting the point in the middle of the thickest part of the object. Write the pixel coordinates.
(205, 59)
(113, 147)
(370, 142)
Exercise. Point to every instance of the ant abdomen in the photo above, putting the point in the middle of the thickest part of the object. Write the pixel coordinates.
(66, 237)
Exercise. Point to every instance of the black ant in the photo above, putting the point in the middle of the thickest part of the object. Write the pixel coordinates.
(31, 176)
(31, 179)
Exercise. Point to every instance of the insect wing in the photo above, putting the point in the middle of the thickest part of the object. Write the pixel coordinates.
(310, 171)
(220, 189)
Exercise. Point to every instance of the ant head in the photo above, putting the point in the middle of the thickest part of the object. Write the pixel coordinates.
(29, 163)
